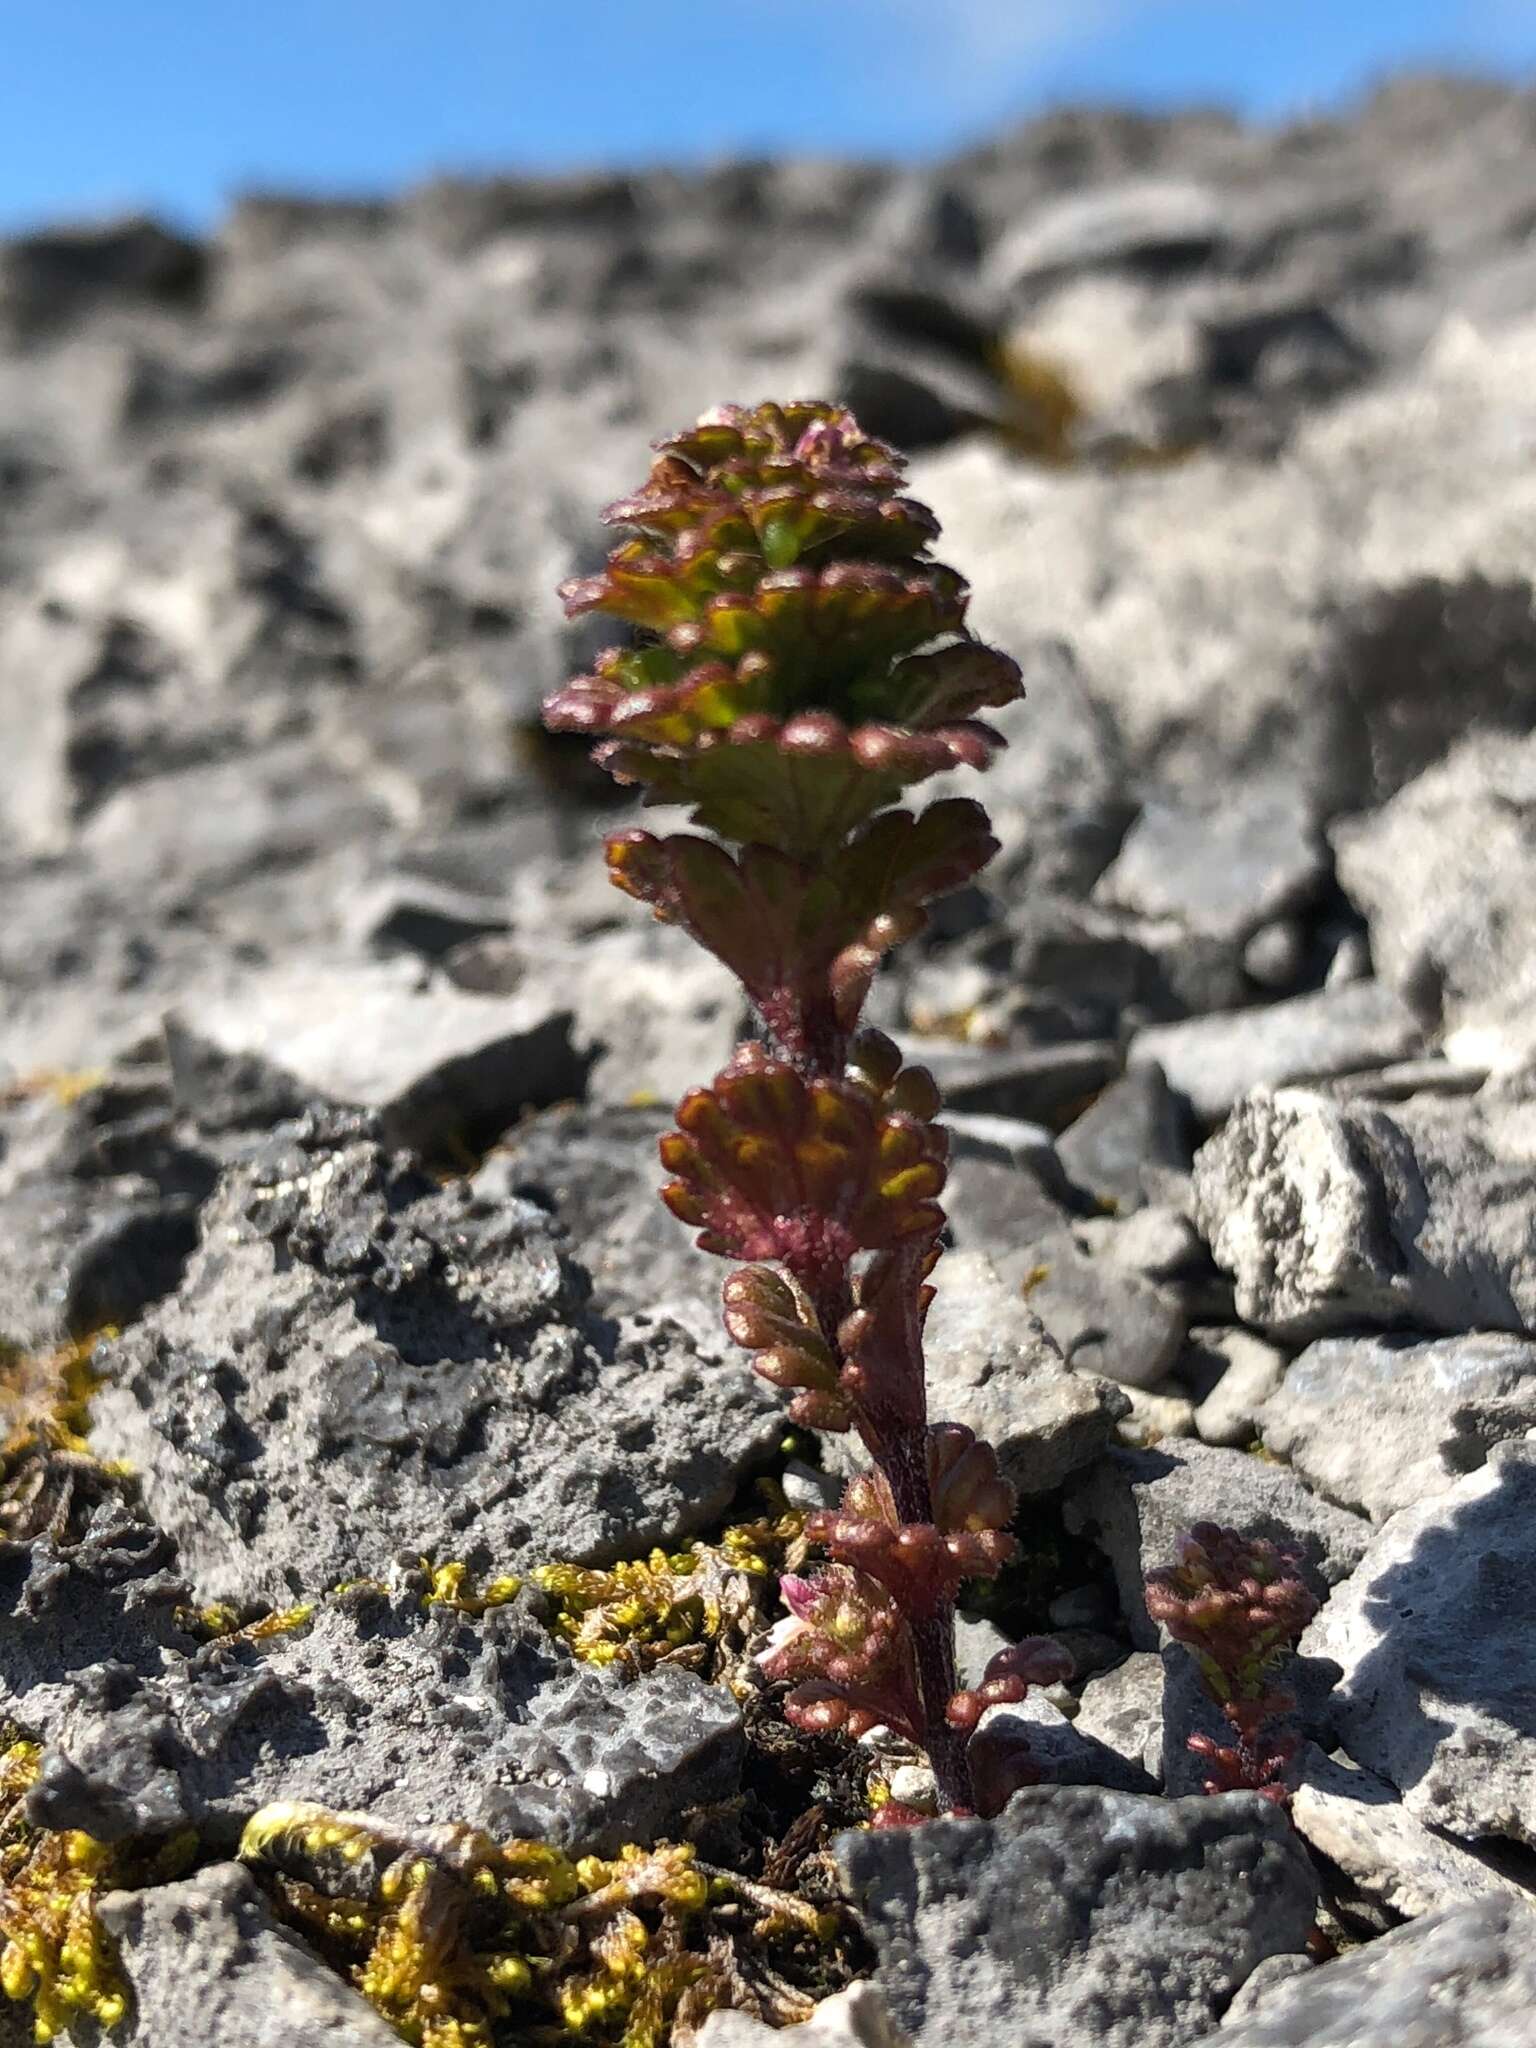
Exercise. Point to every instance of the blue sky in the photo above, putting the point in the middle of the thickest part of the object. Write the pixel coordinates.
(175, 104)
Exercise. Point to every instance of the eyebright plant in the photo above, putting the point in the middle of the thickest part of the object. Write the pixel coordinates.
(1239, 1604)
(799, 660)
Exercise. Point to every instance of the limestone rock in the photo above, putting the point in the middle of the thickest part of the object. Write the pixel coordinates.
(1433, 1633)
(359, 1363)
(1382, 1423)
(207, 1962)
(1444, 874)
(1079, 1913)
(1463, 1978)
(1216, 1060)
(1330, 1214)
(1357, 1821)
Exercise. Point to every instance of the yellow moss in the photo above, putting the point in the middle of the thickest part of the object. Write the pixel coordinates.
(220, 1623)
(449, 1935)
(1045, 409)
(51, 1950)
(672, 1601)
(47, 1471)
(64, 1085)
(451, 1586)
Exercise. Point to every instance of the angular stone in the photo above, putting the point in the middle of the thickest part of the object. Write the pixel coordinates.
(1357, 1821)
(1038, 1084)
(1333, 1214)
(1104, 1317)
(383, 1701)
(1464, 1978)
(1215, 1060)
(359, 1363)
(77, 1255)
(1434, 1635)
(1223, 870)
(1445, 875)
(1251, 1371)
(1155, 226)
(206, 1962)
(1062, 1753)
(1381, 1423)
(1079, 1914)
(596, 1170)
(856, 2018)
(444, 1070)
(1135, 1504)
(1123, 1708)
(1137, 1124)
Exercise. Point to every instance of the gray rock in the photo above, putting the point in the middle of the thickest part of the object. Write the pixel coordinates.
(1270, 1974)
(77, 1255)
(1433, 1633)
(1220, 871)
(1381, 1423)
(1358, 1822)
(108, 1602)
(1007, 1141)
(1079, 1914)
(1215, 1060)
(1157, 1241)
(1123, 1708)
(1060, 1752)
(1136, 1124)
(1105, 1318)
(991, 1366)
(1464, 1978)
(1250, 1371)
(445, 1071)
(1275, 957)
(1135, 1504)
(359, 1363)
(1333, 1214)
(977, 1642)
(206, 1962)
(1157, 1412)
(1444, 874)
(596, 1170)
(1037, 1084)
(377, 1705)
(855, 2018)
(1148, 225)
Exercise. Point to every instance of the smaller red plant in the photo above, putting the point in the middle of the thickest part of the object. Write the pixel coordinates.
(1239, 1605)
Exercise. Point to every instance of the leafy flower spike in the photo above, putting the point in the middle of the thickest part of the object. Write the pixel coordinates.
(804, 657)
(1239, 1605)
(799, 659)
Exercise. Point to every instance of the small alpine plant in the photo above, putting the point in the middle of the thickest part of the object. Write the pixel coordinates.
(1239, 1605)
(798, 661)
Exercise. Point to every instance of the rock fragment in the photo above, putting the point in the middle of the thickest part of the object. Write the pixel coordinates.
(1464, 1978)
(1382, 1423)
(1079, 1914)
(207, 1962)
(360, 1363)
(1332, 1214)
(1434, 1635)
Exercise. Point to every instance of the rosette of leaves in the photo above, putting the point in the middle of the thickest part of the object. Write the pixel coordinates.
(801, 658)
(1239, 1605)
(798, 660)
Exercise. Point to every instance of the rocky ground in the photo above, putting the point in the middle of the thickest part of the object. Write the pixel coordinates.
(330, 1070)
